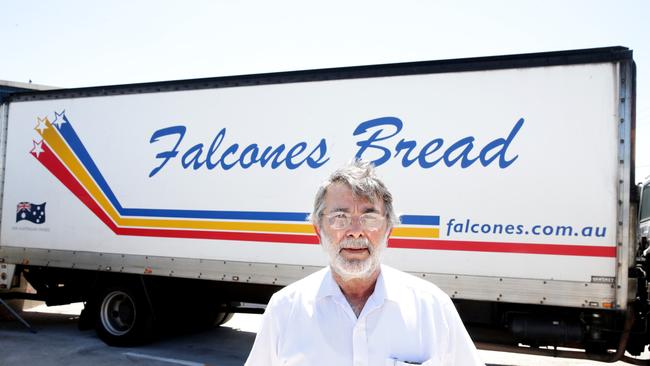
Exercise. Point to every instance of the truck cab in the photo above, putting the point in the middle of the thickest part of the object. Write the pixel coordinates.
(644, 214)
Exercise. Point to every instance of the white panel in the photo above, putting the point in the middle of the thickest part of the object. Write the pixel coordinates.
(564, 173)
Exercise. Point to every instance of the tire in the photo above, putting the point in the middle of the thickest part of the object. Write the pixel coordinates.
(123, 317)
(205, 315)
(222, 318)
(218, 314)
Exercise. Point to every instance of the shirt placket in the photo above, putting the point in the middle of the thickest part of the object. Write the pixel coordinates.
(360, 347)
(360, 343)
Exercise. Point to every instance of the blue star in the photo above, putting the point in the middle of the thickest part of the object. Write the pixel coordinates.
(60, 119)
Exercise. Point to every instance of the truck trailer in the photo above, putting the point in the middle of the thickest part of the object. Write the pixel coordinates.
(513, 177)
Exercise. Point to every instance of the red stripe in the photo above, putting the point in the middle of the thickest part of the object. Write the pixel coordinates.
(54, 165)
(525, 248)
(221, 235)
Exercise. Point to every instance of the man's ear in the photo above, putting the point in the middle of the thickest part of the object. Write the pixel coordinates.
(388, 234)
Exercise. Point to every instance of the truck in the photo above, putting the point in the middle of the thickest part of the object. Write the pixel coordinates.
(513, 176)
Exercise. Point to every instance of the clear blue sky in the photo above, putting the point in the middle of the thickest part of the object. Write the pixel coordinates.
(71, 43)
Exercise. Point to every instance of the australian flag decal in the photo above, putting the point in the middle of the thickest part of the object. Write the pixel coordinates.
(31, 212)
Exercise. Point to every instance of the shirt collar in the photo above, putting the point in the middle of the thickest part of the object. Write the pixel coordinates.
(328, 287)
(393, 288)
(387, 286)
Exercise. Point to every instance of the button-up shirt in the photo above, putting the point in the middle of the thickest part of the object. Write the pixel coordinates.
(406, 320)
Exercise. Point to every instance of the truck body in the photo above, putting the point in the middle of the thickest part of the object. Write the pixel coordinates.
(513, 177)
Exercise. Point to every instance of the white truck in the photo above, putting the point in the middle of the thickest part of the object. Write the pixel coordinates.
(513, 175)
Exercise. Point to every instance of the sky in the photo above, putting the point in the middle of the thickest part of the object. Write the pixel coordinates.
(71, 43)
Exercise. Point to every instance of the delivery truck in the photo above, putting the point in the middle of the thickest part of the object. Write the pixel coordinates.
(513, 176)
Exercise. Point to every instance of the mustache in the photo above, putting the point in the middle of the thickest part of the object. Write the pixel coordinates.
(355, 243)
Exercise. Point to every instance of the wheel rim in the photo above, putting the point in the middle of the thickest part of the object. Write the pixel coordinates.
(118, 313)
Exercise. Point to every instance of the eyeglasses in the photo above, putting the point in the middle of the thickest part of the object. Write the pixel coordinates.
(341, 220)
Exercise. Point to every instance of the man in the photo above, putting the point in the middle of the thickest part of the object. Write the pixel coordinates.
(356, 311)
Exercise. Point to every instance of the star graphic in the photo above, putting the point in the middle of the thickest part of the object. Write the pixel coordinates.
(38, 148)
(41, 125)
(59, 119)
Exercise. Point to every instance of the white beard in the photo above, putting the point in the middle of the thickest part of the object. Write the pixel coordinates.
(350, 269)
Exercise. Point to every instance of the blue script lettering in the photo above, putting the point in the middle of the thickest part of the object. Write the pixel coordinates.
(195, 157)
(382, 129)
(166, 155)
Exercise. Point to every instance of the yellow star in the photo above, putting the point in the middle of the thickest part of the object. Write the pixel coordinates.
(41, 125)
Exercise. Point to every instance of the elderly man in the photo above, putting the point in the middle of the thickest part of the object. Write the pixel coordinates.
(356, 311)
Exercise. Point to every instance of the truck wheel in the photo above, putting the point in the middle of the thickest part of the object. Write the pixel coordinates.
(123, 317)
(207, 317)
(222, 318)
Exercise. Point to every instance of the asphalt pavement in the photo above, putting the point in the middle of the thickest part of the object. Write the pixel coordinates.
(58, 341)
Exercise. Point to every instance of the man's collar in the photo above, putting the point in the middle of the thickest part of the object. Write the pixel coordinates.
(393, 289)
(328, 287)
(386, 287)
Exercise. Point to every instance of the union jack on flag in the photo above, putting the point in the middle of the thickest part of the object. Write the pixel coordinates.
(24, 206)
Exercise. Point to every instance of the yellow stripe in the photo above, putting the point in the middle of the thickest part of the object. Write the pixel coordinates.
(416, 232)
(221, 225)
(63, 151)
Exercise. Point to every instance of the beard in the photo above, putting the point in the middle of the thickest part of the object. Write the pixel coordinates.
(350, 269)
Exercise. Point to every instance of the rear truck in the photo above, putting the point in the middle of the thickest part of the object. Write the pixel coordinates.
(514, 177)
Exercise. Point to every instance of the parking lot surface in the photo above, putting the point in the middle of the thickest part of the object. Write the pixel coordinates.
(58, 341)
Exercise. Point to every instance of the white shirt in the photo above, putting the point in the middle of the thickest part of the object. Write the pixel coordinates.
(406, 319)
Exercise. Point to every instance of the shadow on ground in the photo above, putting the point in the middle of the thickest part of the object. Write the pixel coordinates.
(58, 341)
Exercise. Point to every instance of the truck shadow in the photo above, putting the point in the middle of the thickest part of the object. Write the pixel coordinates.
(59, 341)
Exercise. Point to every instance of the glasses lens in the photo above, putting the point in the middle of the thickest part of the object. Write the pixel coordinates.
(339, 220)
(371, 221)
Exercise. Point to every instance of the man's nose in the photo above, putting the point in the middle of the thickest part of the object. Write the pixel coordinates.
(356, 229)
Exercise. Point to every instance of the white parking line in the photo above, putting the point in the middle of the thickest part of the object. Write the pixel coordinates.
(163, 359)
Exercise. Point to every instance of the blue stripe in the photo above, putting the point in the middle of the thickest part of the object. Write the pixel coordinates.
(420, 220)
(225, 215)
(71, 137)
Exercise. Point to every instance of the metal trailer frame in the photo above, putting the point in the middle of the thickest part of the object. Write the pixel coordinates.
(625, 232)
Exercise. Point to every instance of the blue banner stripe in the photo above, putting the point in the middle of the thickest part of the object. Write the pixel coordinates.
(71, 137)
(420, 220)
(224, 215)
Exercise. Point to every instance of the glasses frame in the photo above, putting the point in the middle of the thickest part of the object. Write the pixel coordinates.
(363, 219)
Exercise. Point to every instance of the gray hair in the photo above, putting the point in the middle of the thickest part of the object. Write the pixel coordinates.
(360, 176)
